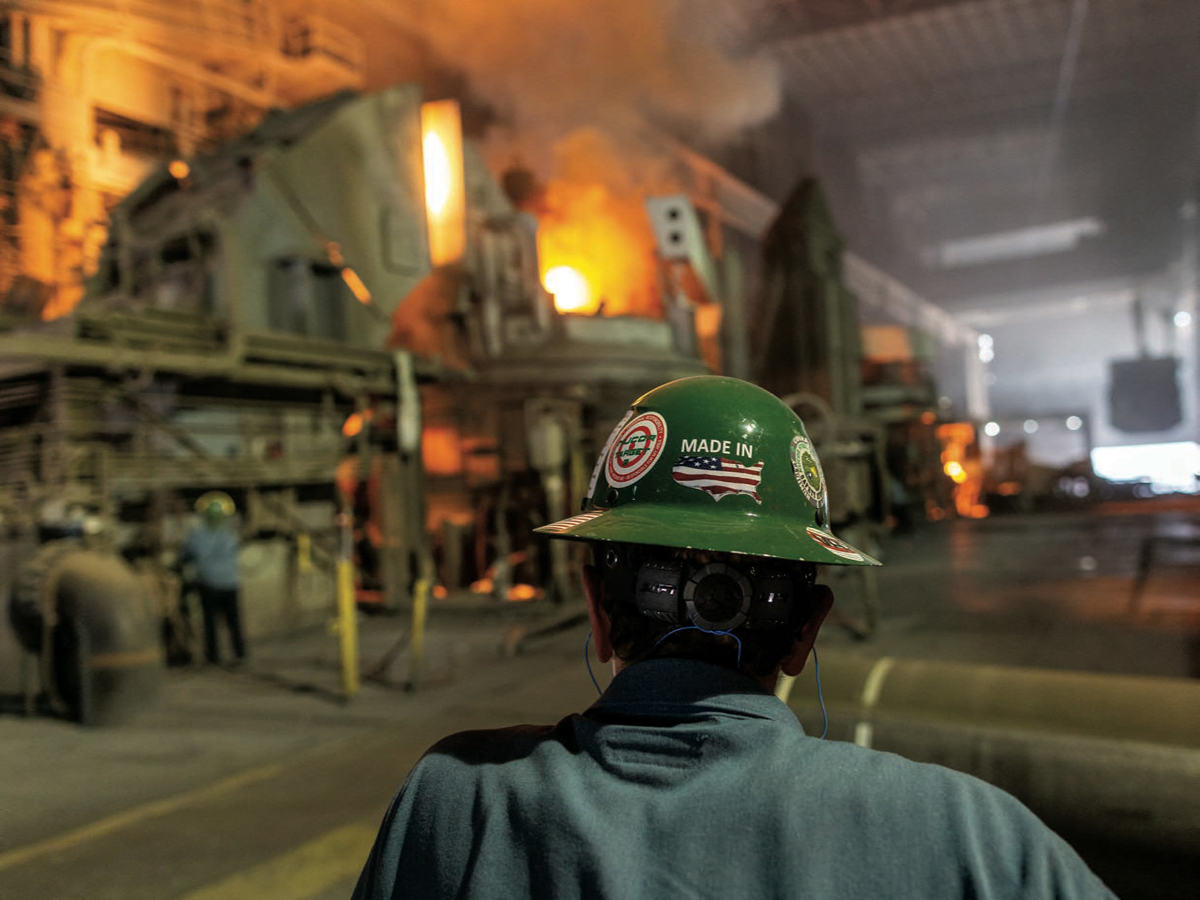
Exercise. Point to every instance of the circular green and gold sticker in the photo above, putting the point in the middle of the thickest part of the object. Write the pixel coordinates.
(808, 470)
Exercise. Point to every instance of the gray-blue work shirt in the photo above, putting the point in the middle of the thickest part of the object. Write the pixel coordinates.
(214, 552)
(690, 780)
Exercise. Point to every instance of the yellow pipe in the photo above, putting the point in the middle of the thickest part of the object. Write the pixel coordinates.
(420, 607)
(347, 627)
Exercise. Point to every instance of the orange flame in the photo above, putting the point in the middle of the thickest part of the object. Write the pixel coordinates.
(355, 422)
(594, 223)
(356, 285)
(570, 289)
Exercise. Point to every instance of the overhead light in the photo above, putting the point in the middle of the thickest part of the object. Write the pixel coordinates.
(1020, 243)
(991, 429)
(1183, 319)
(1167, 467)
(1031, 426)
(1074, 423)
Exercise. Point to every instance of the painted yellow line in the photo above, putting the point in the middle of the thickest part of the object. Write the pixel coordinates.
(783, 687)
(864, 730)
(129, 817)
(301, 873)
(125, 660)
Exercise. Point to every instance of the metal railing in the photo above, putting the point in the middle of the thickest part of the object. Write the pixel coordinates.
(314, 36)
(18, 81)
(246, 21)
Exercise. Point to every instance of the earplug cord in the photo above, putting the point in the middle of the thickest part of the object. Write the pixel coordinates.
(587, 661)
(695, 627)
(820, 696)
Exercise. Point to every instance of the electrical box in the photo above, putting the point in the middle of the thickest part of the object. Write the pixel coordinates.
(1144, 394)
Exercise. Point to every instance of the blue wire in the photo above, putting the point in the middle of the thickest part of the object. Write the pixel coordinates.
(695, 627)
(820, 696)
(816, 664)
(587, 661)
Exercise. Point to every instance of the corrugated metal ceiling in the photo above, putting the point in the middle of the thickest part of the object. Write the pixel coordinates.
(942, 120)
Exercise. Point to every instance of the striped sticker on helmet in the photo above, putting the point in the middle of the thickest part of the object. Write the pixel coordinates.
(568, 524)
(835, 546)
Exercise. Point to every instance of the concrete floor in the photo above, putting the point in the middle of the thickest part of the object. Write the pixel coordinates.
(260, 783)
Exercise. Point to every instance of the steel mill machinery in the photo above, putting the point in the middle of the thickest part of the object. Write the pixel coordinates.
(340, 310)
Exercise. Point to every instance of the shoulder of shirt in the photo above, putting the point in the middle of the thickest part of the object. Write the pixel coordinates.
(885, 775)
(493, 745)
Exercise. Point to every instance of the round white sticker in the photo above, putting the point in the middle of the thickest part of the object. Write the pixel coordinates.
(603, 457)
(807, 469)
(636, 449)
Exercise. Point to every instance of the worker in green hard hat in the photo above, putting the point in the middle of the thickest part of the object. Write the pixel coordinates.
(213, 549)
(707, 515)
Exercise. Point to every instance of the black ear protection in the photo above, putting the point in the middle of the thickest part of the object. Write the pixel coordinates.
(717, 596)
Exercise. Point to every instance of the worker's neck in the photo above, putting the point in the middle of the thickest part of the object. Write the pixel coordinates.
(767, 681)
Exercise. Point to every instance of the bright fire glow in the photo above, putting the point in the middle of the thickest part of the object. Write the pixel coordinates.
(179, 169)
(356, 285)
(594, 221)
(569, 287)
(961, 463)
(445, 189)
(437, 173)
(355, 422)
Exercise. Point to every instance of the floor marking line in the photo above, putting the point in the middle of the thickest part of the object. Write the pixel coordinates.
(864, 733)
(300, 873)
(783, 689)
(120, 820)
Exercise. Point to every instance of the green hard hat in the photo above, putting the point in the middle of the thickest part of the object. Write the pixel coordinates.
(711, 463)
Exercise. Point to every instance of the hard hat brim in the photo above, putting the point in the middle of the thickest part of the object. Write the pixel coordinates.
(683, 525)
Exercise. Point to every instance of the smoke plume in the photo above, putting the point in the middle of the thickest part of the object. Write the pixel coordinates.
(554, 65)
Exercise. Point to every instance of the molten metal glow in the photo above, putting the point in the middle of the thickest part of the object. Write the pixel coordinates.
(179, 169)
(437, 173)
(356, 285)
(962, 463)
(956, 472)
(355, 422)
(569, 287)
(441, 450)
(520, 593)
(593, 219)
(445, 189)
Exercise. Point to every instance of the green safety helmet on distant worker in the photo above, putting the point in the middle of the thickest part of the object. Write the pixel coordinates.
(711, 463)
(215, 502)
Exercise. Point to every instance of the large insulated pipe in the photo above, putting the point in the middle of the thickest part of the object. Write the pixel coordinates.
(1104, 756)
(93, 622)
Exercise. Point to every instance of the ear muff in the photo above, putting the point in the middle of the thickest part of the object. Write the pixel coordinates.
(718, 597)
(721, 596)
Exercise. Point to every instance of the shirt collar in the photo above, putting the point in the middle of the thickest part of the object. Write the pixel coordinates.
(686, 689)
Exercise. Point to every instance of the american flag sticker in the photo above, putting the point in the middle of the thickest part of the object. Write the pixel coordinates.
(718, 476)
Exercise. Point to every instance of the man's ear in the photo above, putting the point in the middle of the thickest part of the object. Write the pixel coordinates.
(601, 634)
(793, 663)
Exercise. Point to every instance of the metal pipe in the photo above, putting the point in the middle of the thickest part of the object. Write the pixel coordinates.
(102, 654)
(1109, 757)
(1114, 707)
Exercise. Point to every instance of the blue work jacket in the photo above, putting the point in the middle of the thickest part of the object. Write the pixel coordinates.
(690, 780)
(214, 551)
